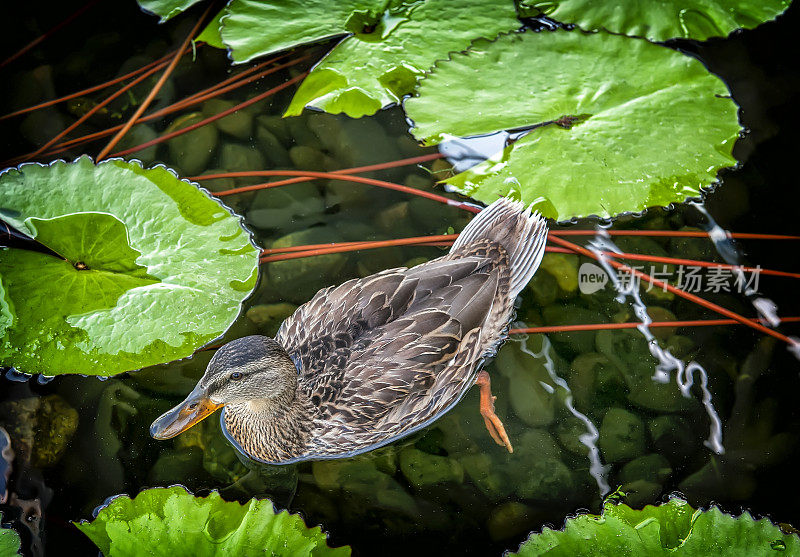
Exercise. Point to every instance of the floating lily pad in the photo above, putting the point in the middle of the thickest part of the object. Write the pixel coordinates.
(673, 528)
(151, 268)
(9, 541)
(167, 9)
(365, 73)
(211, 35)
(178, 523)
(390, 45)
(659, 20)
(611, 136)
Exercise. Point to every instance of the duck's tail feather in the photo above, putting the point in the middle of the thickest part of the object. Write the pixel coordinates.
(523, 234)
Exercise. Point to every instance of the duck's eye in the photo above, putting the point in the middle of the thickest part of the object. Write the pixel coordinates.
(236, 375)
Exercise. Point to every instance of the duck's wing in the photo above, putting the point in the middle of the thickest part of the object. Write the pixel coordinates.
(392, 345)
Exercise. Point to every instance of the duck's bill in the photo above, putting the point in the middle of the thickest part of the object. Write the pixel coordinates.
(195, 408)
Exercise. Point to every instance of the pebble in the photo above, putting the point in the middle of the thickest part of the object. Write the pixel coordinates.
(238, 124)
(191, 151)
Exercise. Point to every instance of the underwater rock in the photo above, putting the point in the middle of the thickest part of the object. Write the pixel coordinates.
(596, 381)
(217, 184)
(531, 402)
(272, 148)
(629, 351)
(191, 151)
(415, 261)
(408, 145)
(174, 466)
(237, 157)
(544, 288)
(564, 268)
(269, 316)
(577, 342)
(680, 346)
(220, 459)
(277, 126)
(657, 313)
(360, 476)
(304, 157)
(299, 134)
(650, 467)
(326, 127)
(238, 124)
(640, 493)
(139, 134)
(509, 520)
(622, 435)
(287, 208)
(673, 436)
(423, 470)
(299, 279)
(569, 432)
(41, 126)
(486, 476)
(537, 443)
(362, 142)
(40, 428)
(393, 217)
(546, 479)
(418, 182)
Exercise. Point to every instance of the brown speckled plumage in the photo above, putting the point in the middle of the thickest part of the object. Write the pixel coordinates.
(381, 356)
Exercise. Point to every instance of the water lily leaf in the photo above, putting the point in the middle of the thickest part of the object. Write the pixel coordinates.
(390, 44)
(611, 137)
(210, 35)
(9, 541)
(166, 9)
(659, 20)
(367, 72)
(178, 523)
(152, 268)
(256, 27)
(673, 528)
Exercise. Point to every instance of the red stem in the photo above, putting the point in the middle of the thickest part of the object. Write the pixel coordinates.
(210, 119)
(96, 108)
(87, 91)
(606, 326)
(156, 88)
(677, 291)
(192, 100)
(334, 176)
(675, 234)
(55, 29)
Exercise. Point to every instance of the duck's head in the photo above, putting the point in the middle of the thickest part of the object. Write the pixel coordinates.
(253, 370)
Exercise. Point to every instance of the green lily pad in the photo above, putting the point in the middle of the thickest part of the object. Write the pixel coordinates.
(9, 541)
(362, 74)
(673, 528)
(152, 268)
(650, 131)
(178, 523)
(210, 35)
(166, 9)
(659, 20)
(390, 44)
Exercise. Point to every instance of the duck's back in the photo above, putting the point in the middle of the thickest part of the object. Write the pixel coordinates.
(385, 355)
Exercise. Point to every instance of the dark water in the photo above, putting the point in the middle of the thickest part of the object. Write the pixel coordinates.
(89, 438)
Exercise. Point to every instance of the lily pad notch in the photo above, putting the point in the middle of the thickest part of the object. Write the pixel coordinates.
(152, 268)
(605, 137)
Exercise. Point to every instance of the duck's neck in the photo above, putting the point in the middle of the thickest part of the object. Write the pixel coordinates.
(274, 429)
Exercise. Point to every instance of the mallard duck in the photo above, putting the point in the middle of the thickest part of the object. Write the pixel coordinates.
(377, 358)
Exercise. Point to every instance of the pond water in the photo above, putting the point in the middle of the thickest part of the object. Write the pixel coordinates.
(582, 409)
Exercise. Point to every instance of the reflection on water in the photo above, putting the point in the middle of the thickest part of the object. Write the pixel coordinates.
(587, 412)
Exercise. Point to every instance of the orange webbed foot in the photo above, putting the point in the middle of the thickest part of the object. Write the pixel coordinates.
(493, 423)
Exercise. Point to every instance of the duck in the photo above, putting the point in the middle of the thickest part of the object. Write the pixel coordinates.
(374, 359)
